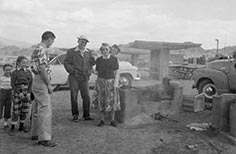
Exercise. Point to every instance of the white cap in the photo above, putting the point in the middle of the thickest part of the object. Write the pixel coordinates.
(82, 37)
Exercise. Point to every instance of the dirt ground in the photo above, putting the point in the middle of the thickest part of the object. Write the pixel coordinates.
(143, 136)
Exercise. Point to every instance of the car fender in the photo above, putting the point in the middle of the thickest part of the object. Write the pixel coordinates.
(219, 78)
(59, 75)
(131, 73)
(128, 68)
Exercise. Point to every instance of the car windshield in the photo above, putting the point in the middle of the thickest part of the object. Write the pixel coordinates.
(58, 60)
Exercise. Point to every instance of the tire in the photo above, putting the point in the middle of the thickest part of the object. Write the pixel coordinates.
(207, 88)
(125, 80)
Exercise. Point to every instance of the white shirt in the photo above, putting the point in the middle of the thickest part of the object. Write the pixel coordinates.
(5, 82)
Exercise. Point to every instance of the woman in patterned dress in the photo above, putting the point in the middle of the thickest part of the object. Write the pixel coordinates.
(105, 96)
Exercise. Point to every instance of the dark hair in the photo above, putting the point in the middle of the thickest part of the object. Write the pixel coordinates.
(105, 44)
(6, 65)
(48, 34)
(19, 59)
(117, 47)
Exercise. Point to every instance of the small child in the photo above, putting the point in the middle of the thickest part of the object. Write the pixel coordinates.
(6, 95)
(21, 82)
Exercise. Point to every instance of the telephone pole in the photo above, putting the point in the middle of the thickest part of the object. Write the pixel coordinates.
(217, 46)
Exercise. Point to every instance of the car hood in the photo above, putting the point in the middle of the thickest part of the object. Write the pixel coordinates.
(126, 65)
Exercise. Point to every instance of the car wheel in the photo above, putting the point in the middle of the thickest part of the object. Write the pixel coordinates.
(207, 88)
(125, 80)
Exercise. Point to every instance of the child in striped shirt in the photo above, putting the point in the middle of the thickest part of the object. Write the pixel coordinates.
(6, 95)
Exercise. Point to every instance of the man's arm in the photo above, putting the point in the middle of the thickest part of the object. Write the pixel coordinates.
(67, 63)
(93, 57)
(45, 77)
(92, 61)
(43, 74)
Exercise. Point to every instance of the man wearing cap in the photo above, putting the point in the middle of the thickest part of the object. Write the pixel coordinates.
(78, 63)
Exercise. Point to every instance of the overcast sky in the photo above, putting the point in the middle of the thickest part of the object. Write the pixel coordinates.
(120, 21)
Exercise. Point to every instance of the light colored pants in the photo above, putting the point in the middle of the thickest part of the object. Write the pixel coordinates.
(41, 110)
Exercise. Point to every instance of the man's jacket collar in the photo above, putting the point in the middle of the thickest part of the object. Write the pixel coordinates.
(82, 51)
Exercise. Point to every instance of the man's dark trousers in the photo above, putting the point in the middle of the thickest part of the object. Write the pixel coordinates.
(77, 85)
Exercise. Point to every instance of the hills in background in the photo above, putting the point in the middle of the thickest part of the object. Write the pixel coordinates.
(15, 48)
(7, 42)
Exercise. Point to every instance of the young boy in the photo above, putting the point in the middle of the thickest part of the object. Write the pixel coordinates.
(21, 82)
(6, 95)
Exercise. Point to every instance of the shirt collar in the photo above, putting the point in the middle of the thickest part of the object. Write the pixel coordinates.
(42, 45)
(21, 69)
(106, 57)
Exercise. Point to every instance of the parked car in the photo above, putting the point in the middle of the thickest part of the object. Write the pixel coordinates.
(59, 76)
(217, 77)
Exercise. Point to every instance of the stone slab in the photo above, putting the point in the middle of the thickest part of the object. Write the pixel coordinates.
(220, 111)
(199, 103)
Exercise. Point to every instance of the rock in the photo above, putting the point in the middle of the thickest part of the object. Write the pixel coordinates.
(139, 120)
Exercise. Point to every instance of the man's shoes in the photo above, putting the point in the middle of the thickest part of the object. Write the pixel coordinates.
(24, 129)
(34, 138)
(101, 123)
(113, 123)
(88, 118)
(47, 143)
(75, 118)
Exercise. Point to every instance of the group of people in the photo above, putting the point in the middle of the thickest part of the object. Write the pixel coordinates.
(24, 86)
(15, 86)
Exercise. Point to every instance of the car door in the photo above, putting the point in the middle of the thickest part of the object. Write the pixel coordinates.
(58, 74)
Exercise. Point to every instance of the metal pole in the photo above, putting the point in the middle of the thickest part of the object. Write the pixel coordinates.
(217, 46)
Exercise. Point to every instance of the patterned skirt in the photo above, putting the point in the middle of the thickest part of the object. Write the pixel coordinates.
(21, 100)
(106, 97)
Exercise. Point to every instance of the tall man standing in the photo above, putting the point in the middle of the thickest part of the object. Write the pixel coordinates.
(41, 88)
(78, 63)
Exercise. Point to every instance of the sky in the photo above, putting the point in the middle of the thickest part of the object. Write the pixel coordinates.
(120, 21)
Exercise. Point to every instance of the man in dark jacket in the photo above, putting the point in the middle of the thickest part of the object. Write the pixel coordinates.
(78, 63)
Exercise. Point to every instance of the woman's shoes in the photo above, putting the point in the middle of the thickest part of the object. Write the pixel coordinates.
(101, 123)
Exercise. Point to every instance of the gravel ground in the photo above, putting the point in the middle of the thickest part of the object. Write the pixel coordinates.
(147, 136)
